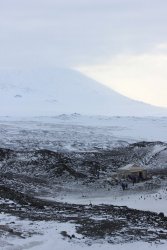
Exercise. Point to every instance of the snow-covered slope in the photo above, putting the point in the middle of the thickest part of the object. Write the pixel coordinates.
(50, 92)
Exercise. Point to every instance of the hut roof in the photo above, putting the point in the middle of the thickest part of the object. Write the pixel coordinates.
(131, 168)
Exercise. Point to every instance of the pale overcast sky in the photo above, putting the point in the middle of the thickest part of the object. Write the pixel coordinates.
(121, 43)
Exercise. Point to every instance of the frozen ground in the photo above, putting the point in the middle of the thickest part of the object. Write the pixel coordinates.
(47, 235)
(80, 140)
(75, 132)
(150, 200)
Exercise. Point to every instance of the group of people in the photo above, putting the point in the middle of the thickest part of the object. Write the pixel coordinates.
(124, 184)
(131, 178)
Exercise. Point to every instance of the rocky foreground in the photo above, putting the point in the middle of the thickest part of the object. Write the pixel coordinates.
(116, 224)
(28, 174)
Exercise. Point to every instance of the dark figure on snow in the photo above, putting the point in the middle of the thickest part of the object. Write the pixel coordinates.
(134, 180)
(140, 176)
(123, 186)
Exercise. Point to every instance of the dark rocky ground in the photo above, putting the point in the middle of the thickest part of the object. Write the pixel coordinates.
(26, 174)
(114, 223)
(42, 164)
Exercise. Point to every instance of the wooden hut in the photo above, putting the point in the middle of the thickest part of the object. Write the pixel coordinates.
(131, 171)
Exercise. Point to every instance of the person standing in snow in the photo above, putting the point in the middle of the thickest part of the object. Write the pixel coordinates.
(123, 186)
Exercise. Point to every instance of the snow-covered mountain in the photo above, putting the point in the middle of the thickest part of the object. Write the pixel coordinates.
(51, 92)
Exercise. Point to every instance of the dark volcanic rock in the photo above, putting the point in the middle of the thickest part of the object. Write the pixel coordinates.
(6, 154)
(93, 222)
